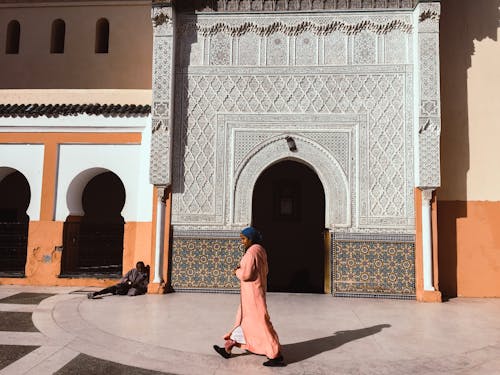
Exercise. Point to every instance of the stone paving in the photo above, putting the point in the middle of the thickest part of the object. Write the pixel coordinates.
(174, 334)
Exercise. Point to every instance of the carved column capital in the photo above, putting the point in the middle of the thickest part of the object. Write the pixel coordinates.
(429, 15)
(427, 195)
(161, 194)
(162, 18)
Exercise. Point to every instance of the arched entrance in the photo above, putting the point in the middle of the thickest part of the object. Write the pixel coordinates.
(15, 195)
(93, 243)
(288, 207)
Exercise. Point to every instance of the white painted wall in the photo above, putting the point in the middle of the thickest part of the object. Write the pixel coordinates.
(129, 162)
(27, 159)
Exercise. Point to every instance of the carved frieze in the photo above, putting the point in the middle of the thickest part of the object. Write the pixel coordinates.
(364, 24)
(288, 5)
(291, 40)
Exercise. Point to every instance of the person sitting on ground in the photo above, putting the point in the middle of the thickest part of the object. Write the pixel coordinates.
(134, 283)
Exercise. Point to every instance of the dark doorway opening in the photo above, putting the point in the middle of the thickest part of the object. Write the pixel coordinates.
(288, 207)
(15, 196)
(93, 243)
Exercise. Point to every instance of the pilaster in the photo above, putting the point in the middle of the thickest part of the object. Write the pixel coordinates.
(163, 18)
(427, 95)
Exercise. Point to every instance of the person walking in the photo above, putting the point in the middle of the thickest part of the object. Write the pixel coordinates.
(253, 330)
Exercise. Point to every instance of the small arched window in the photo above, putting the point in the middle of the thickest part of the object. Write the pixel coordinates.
(57, 36)
(13, 36)
(102, 36)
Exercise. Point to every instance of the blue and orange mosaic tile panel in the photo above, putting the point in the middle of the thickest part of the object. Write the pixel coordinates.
(373, 268)
(205, 263)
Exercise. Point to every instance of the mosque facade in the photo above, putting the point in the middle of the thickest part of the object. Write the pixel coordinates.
(317, 121)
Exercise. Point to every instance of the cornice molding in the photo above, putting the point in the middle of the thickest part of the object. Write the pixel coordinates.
(288, 5)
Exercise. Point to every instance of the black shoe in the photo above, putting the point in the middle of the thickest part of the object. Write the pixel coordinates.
(90, 295)
(275, 362)
(222, 351)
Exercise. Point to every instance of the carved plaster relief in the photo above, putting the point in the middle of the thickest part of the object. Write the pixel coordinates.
(292, 40)
(427, 104)
(327, 143)
(365, 48)
(335, 48)
(329, 64)
(289, 5)
(385, 196)
(163, 62)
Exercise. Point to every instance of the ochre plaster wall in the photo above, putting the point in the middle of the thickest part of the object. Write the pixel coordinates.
(76, 96)
(43, 264)
(469, 248)
(136, 244)
(127, 65)
(469, 198)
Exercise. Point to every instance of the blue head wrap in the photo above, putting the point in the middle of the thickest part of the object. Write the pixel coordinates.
(252, 234)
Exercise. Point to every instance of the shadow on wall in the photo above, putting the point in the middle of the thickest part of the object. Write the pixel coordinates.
(301, 351)
(462, 23)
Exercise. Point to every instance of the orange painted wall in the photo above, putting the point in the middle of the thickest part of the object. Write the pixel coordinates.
(136, 244)
(43, 264)
(469, 243)
(469, 197)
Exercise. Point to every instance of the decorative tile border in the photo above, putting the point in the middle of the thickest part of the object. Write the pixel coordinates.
(385, 237)
(369, 295)
(201, 264)
(363, 265)
(377, 266)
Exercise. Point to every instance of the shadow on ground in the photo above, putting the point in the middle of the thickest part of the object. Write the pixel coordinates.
(300, 351)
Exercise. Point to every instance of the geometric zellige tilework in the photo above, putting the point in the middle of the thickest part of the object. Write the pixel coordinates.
(205, 263)
(369, 267)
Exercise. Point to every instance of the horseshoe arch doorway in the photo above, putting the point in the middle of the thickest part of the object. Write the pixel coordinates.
(288, 207)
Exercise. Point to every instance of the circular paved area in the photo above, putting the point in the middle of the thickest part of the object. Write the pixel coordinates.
(320, 335)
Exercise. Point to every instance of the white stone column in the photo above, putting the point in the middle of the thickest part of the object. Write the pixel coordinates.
(427, 122)
(160, 234)
(427, 239)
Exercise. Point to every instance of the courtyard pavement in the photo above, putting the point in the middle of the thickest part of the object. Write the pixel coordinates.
(47, 330)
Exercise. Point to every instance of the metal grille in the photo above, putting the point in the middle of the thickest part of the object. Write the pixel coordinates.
(92, 249)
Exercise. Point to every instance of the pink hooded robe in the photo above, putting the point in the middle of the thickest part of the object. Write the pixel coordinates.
(252, 316)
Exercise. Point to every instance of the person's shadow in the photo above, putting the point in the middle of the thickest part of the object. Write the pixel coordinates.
(300, 351)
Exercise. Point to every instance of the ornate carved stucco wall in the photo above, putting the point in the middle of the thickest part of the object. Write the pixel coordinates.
(347, 77)
(357, 90)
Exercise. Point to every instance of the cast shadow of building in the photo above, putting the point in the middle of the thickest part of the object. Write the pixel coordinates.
(463, 22)
(301, 351)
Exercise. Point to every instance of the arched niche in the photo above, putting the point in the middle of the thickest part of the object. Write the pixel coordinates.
(76, 188)
(335, 183)
(15, 193)
(15, 197)
(93, 233)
